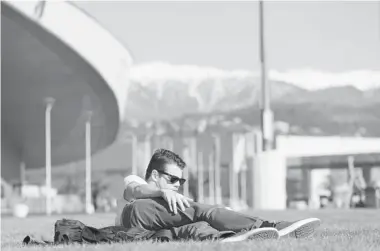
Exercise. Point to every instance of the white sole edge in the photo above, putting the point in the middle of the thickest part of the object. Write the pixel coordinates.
(301, 229)
(255, 234)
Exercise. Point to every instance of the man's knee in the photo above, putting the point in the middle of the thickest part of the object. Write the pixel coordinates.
(140, 213)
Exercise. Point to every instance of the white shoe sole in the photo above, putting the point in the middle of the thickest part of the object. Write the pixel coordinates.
(255, 234)
(301, 229)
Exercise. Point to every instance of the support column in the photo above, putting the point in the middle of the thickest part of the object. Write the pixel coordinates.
(211, 177)
(200, 177)
(147, 150)
(22, 173)
(190, 156)
(186, 157)
(49, 105)
(134, 153)
(269, 190)
(217, 167)
(306, 183)
(367, 174)
(234, 169)
(89, 206)
(243, 185)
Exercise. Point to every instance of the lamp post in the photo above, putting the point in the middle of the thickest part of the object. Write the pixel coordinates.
(266, 112)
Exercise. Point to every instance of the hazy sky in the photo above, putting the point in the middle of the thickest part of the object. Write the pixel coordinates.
(325, 36)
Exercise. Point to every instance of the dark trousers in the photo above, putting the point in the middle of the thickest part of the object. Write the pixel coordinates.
(154, 214)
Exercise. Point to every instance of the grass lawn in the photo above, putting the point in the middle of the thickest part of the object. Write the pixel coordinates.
(340, 230)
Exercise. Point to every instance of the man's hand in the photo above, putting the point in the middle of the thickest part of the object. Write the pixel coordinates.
(173, 198)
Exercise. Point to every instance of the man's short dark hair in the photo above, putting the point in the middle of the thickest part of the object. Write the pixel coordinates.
(160, 158)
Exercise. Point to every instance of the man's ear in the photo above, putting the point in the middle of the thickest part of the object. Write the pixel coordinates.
(154, 175)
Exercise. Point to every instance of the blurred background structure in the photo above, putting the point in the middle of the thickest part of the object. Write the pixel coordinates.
(78, 116)
(51, 81)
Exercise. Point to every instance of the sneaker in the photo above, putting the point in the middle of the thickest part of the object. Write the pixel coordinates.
(265, 233)
(297, 229)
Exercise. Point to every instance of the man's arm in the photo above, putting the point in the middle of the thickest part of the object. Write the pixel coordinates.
(135, 190)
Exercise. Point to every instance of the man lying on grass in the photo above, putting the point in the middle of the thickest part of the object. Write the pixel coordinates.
(155, 204)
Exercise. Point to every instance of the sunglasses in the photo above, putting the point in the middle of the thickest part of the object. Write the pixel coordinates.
(173, 179)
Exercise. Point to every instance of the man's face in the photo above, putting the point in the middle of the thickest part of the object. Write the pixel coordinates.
(164, 181)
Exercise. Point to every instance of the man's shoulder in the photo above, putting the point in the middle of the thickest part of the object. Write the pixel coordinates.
(133, 179)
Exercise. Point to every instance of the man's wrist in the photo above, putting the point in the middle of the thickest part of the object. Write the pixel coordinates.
(161, 193)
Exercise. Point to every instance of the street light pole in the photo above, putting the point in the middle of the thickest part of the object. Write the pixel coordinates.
(266, 113)
(49, 105)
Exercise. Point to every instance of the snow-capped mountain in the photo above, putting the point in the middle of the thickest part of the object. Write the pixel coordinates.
(161, 91)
